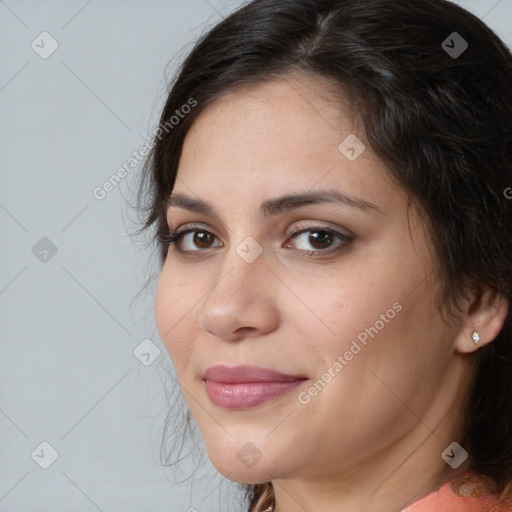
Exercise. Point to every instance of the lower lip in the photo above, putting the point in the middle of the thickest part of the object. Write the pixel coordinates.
(249, 394)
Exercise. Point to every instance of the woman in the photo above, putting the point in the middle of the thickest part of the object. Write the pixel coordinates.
(329, 187)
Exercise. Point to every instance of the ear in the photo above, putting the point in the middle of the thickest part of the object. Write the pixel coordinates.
(486, 313)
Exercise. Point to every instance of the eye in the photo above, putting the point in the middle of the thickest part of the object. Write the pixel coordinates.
(315, 240)
(318, 239)
(192, 240)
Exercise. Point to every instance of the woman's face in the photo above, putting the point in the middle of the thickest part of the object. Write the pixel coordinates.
(345, 308)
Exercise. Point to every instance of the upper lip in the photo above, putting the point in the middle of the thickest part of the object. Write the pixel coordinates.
(246, 373)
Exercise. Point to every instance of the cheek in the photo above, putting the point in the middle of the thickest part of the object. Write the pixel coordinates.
(350, 308)
(174, 314)
(373, 320)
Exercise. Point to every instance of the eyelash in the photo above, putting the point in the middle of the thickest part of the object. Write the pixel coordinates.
(174, 238)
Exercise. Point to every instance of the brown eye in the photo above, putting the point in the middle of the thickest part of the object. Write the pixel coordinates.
(203, 239)
(320, 239)
(193, 240)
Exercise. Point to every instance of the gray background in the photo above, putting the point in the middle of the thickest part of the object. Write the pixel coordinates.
(71, 321)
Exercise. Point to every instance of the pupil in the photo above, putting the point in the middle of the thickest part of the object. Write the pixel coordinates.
(320, 239)
(202, 239)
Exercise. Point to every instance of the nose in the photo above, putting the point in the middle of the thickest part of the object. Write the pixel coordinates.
(242, 302)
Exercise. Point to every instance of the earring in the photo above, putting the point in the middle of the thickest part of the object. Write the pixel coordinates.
(476, 337)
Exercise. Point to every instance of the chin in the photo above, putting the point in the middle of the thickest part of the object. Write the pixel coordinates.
(241, 462)
(230, 466)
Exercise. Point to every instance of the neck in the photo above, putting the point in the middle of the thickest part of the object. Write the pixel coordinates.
(399, 481)
(389, 480)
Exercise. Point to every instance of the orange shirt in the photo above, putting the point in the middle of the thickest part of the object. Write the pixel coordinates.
(470, 492)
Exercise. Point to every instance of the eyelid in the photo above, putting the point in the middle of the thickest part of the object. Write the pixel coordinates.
(318, 226)
(296, 230)
(192, 226)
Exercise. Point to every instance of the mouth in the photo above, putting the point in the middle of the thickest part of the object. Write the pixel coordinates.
(243, 387)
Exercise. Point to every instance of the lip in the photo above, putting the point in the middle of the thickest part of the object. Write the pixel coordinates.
(243, 386)
(246, 373)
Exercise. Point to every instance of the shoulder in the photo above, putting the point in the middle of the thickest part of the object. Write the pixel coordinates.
(470, 492)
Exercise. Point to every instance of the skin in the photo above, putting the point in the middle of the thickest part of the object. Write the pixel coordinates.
(371, 439)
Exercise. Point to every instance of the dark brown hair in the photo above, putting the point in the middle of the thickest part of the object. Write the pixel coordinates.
(441, 122)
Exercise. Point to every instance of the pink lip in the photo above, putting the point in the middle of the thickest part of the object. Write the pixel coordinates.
(241, 387)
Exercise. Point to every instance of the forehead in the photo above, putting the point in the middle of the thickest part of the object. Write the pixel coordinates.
(268, 138)
(293, 109)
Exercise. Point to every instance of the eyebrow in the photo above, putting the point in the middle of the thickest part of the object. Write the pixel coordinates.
(279, 204)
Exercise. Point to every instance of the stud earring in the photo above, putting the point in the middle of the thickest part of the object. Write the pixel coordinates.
(476, 337)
